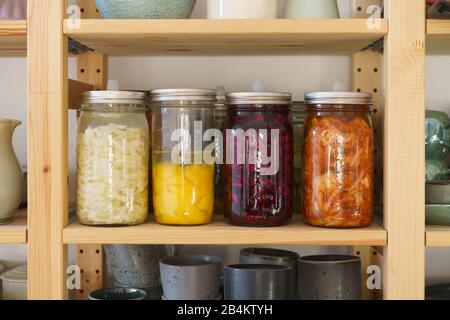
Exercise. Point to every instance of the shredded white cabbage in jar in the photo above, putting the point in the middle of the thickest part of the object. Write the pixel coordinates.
(112, 175)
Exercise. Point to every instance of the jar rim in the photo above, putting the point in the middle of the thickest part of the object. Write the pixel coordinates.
(338, 98)
(186, 94)
(113, 97)
(259, 98)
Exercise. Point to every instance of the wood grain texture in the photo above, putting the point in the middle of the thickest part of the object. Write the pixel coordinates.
(200, 36)
(91, 69)
(220, 233)
(404, 195)
(47, 150)
(13, 38)
(437, 236)
(14, 232)
(76, 88)
(438, 36)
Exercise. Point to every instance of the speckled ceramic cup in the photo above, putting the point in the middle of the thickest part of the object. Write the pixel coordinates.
(330, 277)
(275, 257)
(191, 277)
(136, 265)
(145, 9)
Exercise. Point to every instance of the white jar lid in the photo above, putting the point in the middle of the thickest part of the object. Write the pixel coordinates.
(18, 274)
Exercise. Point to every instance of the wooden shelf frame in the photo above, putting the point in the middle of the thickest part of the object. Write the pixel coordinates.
(221, 233)
(13, 38)
(219, 37)
(14, 232)
(438, 36)
(437, 236)
(402, 234)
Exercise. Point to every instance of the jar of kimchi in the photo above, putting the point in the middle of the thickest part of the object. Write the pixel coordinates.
(338, 160)
(258, 170)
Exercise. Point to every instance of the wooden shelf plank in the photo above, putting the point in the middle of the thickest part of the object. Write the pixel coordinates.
(14, 232)
(437, 236)
(200, 36)
(13, 38)
(220, 233)
(438, 36)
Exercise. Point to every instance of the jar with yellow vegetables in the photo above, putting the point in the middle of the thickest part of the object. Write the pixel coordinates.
(112, 159)
(183, 145)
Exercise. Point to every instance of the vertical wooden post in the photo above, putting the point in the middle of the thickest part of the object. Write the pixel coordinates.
(47, 150)
(404, 196)
(91, 69)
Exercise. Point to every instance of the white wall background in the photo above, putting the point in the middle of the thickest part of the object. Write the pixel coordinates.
(288, 73)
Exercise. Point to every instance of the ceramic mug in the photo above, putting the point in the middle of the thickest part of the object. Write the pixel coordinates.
(311, 9)
(118, 294)
(190, 277)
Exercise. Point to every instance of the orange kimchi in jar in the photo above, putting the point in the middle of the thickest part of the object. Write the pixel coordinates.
(338, 160)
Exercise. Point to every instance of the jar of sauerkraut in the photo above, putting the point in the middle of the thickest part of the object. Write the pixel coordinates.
(183, 155)
(338, 160)
(112, 159)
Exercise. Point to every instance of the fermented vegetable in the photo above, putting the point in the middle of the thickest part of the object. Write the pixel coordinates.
(112, 175)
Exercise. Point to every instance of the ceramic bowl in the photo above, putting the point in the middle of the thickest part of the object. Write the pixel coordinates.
(437, 214)
(145, 9)
(118, 294)
(437, 192)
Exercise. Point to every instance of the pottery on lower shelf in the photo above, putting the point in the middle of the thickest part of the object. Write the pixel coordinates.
(438, 292)
(311, 9)
(136, 265)
(242, 9)
(256, 282)
(330, 277)
(116, 294)
(437, 214)
(191, 277)
(145, 9)
(11, 190)
(15, 283)
(437, 192)
(274, 257)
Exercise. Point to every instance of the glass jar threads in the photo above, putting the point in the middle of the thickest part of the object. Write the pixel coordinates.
(258, 170)
(298, 114)
(338, 160)
(183, 169)
(112, 159)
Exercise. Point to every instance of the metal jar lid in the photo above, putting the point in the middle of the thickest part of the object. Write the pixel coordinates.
(183, 94)
(113, 97)
(356, 98)
(235, 98)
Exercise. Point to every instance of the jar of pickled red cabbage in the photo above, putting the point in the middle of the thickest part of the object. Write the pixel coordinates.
(338, 160)
(258, 170)
(112, 159)
(183, 155)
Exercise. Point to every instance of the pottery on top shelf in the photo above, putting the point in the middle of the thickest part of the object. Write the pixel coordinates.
(11, 190)
(437, 145)
(145, 9)
(13, 9)
(311, 9)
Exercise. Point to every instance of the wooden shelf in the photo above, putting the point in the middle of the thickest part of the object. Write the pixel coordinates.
(219, 37)
(438, 36)
(14, 232)
(13, 38)
(220, 233)
(437, 236)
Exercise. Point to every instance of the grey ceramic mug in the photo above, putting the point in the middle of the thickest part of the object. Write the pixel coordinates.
(136, 265)
(256, 282)
(275, 257)
(190, 277)
(330, 277)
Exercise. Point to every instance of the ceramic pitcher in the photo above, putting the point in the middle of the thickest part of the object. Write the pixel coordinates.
(311, 9)
(11, 177)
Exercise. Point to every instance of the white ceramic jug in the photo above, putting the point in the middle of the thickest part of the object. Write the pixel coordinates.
(11, 176)
(311, 9)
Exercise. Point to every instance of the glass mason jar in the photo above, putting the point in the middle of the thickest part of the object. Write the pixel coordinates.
(220, 116)
(338, 160)
(112, 159)
(298, 114)
(183, 170)
(258, 168)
